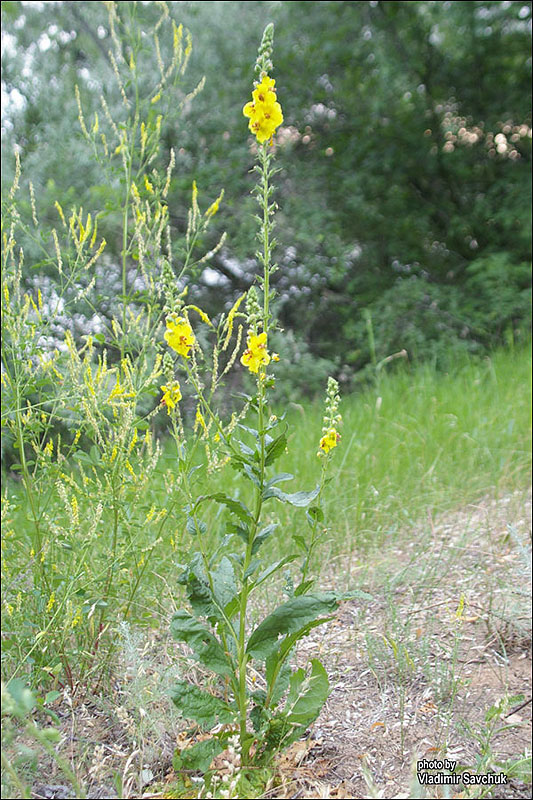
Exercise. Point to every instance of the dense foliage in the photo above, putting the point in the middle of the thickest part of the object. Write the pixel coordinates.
(405, 155)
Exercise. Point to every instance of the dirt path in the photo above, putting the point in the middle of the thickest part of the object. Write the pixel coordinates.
(414, 673)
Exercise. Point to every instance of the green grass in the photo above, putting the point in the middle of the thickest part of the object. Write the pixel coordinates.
(421, 441)
(417, 443)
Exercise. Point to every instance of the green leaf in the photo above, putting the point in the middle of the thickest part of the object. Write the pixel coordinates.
(271, 569)
(302, 588)
(224, 584)
(301, 499)
(207, 648)
(263, 535)
(279, 478)
(519, 768)
(239, 530)
(195, 526)
(276, 664)
(275, 449)
(307, 694)
(198, 757)
(202, 707)
(289, 618)
(252, 473)
(314, 515)
(255, 564)
(235, 506)
(21, 699)
(198, 589)
(204, 601)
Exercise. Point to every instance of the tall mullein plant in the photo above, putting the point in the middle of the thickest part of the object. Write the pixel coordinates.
(262, 716)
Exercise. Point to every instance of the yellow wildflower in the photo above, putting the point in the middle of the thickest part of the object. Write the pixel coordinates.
(171, 395)
(256, 353)
(213, 208)
(264, 112)
(179, 335)
(329, 440)
(199, 421)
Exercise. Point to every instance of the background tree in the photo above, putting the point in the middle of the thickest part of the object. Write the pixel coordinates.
(405, 157)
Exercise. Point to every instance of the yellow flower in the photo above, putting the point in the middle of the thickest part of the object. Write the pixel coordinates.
(264, 112)
(213, 208)
(330, 440)
(171, 395)
(264, 92)
(179, 335)
(256, 353)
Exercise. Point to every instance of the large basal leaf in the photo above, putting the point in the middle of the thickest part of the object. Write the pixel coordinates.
(198, 590)
(198, 757)
(207, 649)
(204, 708)
(206, 601)
(289, 618)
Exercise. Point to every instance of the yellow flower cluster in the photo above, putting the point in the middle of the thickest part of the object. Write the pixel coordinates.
(179, 335)
(256, 353)
(264, 112)
(171, 395)
(329, 440)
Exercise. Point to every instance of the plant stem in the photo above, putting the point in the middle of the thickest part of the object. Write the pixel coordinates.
(241, 651)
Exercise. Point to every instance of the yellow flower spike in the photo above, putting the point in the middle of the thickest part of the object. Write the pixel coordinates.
(203, 316)
(199, 421)
(329, 440)
(213, 208)
(60, 212)
(256, 353)
(231, 318)
(147, 185)
(171, 395)
(179, 335)
(264, 112)
(93, 237)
